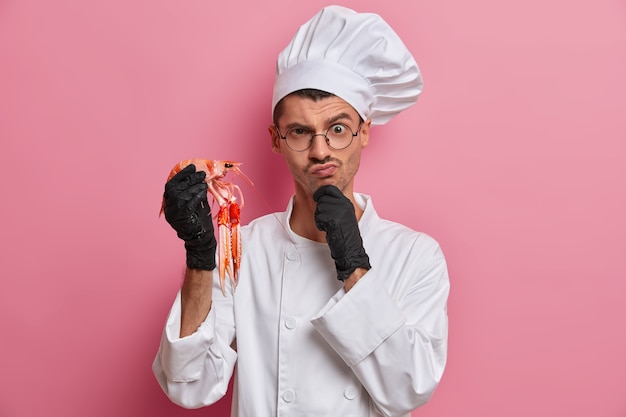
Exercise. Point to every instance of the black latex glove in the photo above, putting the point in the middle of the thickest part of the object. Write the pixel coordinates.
(335, 215)
(188, 212)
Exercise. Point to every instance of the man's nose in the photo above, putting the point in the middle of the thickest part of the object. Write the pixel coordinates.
(319, 146)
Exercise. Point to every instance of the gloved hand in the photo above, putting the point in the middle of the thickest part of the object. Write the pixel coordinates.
(335, 215)
(188, 212)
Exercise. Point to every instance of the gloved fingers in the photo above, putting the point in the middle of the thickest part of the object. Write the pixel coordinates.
(324, 221)
(181, 176)
(198, 197)
(330, 198)
(327, 190)
(189, 169)
(183, 180)
(333, 208)
(330, 203)
(181, 200)
(172, 190)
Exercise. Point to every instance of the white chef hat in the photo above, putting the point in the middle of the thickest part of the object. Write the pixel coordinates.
(355, 56)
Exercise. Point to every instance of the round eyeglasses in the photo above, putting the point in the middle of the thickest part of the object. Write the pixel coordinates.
(338, 137)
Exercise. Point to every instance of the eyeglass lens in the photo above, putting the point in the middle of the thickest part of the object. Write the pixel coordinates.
(338, 136)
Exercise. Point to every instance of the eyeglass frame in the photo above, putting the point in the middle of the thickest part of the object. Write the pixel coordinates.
(325, 134)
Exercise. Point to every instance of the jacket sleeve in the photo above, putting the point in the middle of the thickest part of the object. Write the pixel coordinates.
(194, 371)
(393, 330)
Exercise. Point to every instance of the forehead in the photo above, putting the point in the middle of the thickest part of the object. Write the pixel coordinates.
(308, 111)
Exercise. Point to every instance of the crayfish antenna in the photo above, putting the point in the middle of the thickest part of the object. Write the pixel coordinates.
(242, 175)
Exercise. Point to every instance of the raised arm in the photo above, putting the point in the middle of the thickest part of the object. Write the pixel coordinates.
(188, 212)
(195, 360)
(391, 329)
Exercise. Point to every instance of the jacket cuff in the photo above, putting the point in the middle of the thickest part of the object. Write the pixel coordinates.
(355, 323)
(182, 359)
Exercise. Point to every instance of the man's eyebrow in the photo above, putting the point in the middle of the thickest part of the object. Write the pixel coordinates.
(329, 122)
(338, 117)
(297, 125)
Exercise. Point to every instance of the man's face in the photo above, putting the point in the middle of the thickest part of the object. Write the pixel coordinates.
(320, 164)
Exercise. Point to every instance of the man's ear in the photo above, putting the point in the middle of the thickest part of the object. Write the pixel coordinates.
(365, 132)
(276, 142)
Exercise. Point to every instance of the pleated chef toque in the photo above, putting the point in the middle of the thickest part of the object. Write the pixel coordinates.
(356, 56)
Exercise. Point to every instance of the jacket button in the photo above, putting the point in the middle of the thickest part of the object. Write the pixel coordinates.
(292, 255)
(350, 393)
(289, 396)
(290, 323)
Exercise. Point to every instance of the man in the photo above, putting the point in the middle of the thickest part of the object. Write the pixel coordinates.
(337, 311)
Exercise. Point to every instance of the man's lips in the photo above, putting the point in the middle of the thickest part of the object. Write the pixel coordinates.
(324, 170)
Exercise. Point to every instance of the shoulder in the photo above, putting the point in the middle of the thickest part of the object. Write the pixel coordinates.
(408, 257)
(264, 224)
(385, 233)
(395, 235)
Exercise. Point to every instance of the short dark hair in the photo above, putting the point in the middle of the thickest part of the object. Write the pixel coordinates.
(310, 93)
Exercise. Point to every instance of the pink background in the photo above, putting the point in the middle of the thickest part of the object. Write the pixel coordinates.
(514, 159)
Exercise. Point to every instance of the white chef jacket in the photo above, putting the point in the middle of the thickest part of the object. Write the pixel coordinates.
(305, 347)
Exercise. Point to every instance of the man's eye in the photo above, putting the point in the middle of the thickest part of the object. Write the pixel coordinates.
(298, 131)
(338, 129)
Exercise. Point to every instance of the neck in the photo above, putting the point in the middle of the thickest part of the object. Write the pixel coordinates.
(302, 220)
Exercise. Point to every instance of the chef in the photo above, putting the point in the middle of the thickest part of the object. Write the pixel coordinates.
(337, 312)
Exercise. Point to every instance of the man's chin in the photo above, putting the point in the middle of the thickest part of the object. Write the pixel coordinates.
(325, 181)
